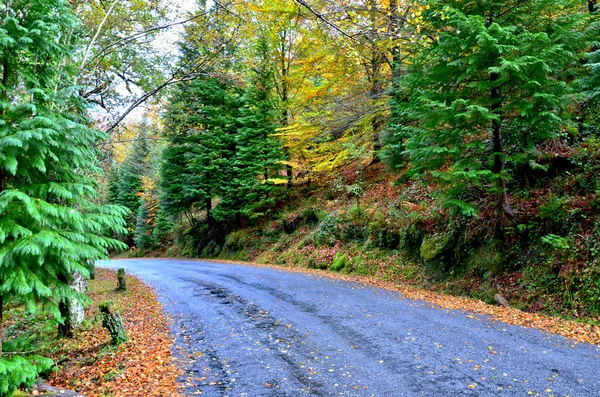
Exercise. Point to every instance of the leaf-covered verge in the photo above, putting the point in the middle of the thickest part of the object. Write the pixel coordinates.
(89, 364)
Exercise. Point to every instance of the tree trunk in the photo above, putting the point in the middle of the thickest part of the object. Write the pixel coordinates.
(284, 65)
(507, 215)
(65, 329)
(209, 218)
(2, 176)
(122, 285)
(376, 83)
(111, 320)
(91, 267)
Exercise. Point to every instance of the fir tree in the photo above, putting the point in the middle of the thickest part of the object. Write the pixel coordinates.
(129, 184)
(259, 158)
(197, 165)
(487, 89)
(51, 225)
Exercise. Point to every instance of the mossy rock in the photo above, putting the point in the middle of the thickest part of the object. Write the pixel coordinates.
(485, 261)
(435, 246)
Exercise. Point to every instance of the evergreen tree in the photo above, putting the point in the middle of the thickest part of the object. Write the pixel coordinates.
(488, 89)
(129, 184)
(143, 228)
(51, 225)
(259, 158)
(197, 165)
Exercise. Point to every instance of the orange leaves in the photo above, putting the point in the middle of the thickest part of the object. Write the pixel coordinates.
(140, 367)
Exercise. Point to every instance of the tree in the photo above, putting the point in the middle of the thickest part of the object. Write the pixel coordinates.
(51, 225)
(129, 183)
(486, 90)
(259, 156)
(200, 127)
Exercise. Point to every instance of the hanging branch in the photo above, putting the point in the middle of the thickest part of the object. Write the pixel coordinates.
(324, 20)
(174, 79)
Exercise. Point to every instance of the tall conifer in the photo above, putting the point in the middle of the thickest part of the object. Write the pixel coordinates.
(487, 90)
(50, 224)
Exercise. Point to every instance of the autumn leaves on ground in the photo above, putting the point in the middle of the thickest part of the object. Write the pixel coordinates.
(140, 367)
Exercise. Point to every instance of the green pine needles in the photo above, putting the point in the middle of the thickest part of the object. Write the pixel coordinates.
(488, 87)
(50, 223)
(223, 158)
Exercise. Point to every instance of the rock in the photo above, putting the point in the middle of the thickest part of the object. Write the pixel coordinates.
(41, 388)
(500, 300)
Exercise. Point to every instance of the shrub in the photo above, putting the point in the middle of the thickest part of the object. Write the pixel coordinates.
(327, 232)
(354, 233)
(411, 239)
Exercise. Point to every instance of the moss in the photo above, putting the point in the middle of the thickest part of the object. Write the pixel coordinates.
(434, 246)
(340, 262)
(485, 261)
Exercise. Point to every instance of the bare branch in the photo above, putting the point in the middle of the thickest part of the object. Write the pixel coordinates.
(324, 20)
(91, 43)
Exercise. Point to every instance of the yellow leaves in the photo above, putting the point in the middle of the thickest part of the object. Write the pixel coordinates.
(472, 386)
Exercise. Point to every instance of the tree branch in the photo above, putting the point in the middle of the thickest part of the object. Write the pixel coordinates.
(86, 54)
(324, 20)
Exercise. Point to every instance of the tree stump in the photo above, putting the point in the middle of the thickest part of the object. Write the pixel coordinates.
(122, 286)
(111, 320)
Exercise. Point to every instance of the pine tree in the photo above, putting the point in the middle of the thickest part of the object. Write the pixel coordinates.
(129, 182)
(487, 90)
(51, 225)
(259, 158)
(197, 165)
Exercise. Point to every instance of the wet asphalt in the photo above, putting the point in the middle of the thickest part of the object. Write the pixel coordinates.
(254, 331)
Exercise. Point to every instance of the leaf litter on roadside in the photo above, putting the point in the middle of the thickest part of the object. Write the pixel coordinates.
(143, 366)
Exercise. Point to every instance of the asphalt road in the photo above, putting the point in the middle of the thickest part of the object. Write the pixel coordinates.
(253, 331)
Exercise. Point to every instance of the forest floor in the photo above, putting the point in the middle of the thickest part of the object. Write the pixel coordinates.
(89, 364)
(143, 366)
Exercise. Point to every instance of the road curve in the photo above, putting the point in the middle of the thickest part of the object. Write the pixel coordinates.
(253, 331)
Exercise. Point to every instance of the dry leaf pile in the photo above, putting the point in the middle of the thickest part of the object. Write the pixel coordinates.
(140, 367)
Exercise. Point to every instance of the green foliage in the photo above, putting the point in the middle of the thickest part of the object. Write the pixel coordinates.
(463, 118)
(554, 214)
(340, 263)
(222, 156)
(51, 224)
(126, 186)
(327, 233)
(20, 371)
(556, 242)
(143, 230)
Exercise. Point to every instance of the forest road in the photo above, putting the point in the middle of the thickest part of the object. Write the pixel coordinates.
(254, 331)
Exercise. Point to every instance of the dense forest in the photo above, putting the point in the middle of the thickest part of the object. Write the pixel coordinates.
(452, 144)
